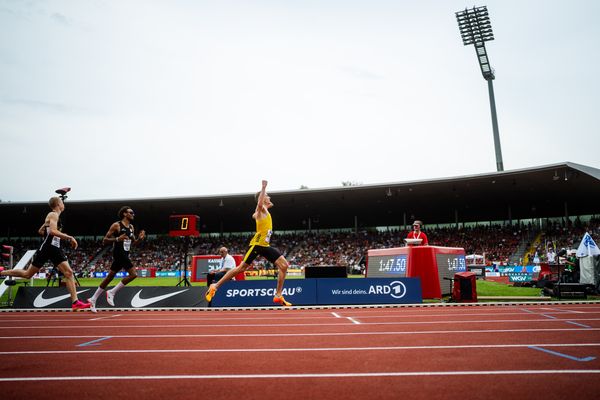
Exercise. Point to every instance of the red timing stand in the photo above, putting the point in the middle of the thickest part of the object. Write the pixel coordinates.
(430, 263)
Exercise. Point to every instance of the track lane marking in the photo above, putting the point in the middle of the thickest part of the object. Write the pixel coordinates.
(92, 342)
(556, 353)
(278, 334)
(212, 326)
(130, 317)
(111, 316)
(296, 349)
(578, 324)
(299, 376)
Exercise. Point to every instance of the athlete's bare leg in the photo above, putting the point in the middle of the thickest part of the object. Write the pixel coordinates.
(21, 273)
(282, 264)
(132, 275)
(66, 270)
(108, 279)
(230, 274)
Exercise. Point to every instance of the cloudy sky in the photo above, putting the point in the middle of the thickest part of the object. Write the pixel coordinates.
(137, 99)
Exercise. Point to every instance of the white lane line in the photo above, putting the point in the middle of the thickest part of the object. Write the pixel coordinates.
(111, 316)
(354, 321)
(308, 349)
(132, 318)
(278, 334)
(298, 376)
(212, 326)
(336, 315)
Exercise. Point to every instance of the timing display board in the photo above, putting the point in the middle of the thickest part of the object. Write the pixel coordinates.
(430, 263)
(183, 225)
(449, 264)
(386, 266)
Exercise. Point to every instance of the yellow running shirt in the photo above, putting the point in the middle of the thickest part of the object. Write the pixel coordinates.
(264, 230)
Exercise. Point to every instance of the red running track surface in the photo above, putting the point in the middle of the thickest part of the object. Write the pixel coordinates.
(500, 352)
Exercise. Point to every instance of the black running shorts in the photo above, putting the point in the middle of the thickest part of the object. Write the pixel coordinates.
(270, 253)
(120, 263)
(49, 252)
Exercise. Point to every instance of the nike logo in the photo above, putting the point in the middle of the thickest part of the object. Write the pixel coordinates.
(138, 302)
(41, 302)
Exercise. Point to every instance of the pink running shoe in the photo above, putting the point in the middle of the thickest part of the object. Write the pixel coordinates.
(80, 305)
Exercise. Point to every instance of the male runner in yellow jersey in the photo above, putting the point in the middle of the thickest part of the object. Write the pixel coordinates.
(259, 245)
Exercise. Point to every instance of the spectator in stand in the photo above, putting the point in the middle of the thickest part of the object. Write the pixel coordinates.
(227, 263)
(551, 255)
(571, 274)
(417, 234)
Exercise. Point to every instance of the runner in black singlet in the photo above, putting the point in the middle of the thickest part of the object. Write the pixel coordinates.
(50, 251)
(122, 236)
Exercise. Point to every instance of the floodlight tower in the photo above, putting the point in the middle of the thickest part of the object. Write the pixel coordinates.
(475, 28)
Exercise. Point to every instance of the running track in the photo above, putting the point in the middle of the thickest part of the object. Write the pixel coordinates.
(512, 352)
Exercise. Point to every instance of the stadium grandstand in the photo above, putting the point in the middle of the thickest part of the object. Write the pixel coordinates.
(507, 216)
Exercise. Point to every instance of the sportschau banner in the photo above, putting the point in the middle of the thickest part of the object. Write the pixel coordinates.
(134, 297)
(300, 292)
(326, 291)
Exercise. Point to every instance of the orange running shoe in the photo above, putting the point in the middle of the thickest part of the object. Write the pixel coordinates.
(282, 301)
(211, 292)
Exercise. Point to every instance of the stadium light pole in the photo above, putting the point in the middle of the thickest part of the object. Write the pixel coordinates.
(475, 29)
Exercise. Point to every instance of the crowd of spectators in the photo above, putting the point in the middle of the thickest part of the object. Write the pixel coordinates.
(565, 235)
(345, 248)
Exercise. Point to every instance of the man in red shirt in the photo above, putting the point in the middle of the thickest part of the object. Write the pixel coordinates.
(417, 234)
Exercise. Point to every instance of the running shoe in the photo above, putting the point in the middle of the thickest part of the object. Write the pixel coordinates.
(282, 301)
(110, 298)
(80, 305)
(210, 293)
(92, 305)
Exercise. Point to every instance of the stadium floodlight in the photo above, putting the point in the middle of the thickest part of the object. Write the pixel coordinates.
(476, 29)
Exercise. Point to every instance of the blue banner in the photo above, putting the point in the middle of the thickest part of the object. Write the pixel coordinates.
(261, 293)
(520, 277)
(321, 292)
(121, 274)
(524, 269)
(369, 291)
(171, 274)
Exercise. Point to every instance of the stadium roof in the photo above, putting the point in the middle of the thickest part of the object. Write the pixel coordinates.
(539, 192)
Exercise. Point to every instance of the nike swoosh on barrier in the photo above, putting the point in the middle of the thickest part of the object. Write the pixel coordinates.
(138, 302)
(41, 302)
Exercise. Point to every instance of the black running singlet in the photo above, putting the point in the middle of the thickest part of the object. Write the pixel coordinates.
(121, 249)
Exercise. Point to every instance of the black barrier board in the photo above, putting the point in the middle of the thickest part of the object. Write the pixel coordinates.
(135, 297)
(329, 271)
